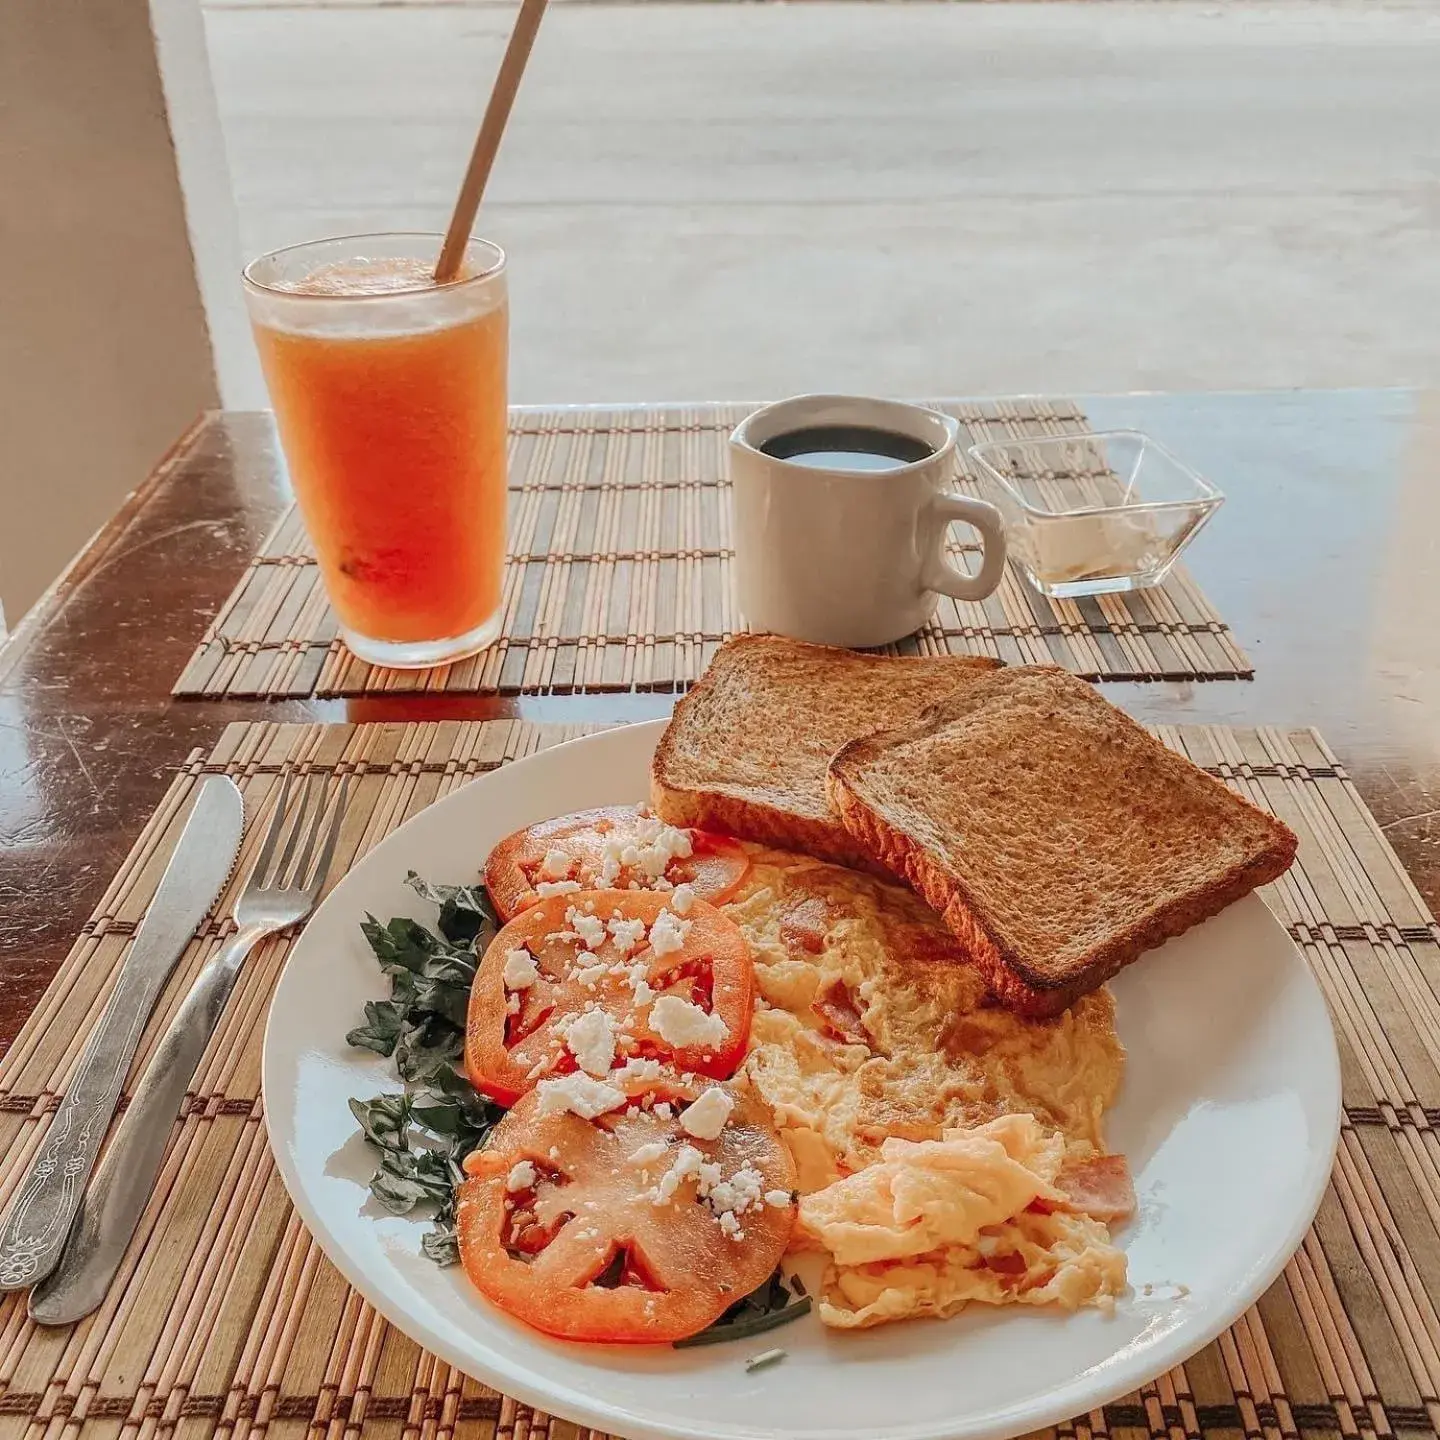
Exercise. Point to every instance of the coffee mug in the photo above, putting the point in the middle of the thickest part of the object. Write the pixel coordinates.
(844, 545)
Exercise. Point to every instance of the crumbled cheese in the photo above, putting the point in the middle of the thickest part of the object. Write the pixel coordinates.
(589, 927)
(741, 1192)
(685, 1167)
(648, 1154)
(554, 1152)
(580, 1095)
(591, 1038)
(636, 976)
(664, 1109)
(659, 844)
(610, 862)
(546, 888)
(627, 934)
(522, 1176)
(667, 934)
(677, 1022)
(778, 1198)
(590, 976)
(512, 1005)
(682, 899)
(728, 1199)
(651, 861)
(556, 865)
(705, 1118)
(640, 1072)
(520, 971)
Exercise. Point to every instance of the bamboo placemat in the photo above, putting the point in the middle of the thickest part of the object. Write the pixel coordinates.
(227, 1320)
(619, 578)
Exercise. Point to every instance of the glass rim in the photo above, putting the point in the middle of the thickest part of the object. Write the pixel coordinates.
(448, 288)
(1208, 496)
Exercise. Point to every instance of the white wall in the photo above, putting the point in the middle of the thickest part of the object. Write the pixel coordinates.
(104, 351)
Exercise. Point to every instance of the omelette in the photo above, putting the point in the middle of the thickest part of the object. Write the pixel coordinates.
(913, 1103)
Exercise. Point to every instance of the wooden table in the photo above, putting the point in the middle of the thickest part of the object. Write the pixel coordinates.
(1325, 562)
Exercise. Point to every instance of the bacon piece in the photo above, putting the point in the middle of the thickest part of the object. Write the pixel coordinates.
(804, 922)
(837, 1008)
(1100, 1188)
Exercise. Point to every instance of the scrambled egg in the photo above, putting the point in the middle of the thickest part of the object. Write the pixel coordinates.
(897, 1082)
(935, 1224)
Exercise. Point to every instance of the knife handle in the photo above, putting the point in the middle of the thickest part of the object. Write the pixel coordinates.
(125, 1179)
(40, 1217)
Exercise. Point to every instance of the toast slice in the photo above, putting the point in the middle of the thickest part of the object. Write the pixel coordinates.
(747, 748)
(1057, 838)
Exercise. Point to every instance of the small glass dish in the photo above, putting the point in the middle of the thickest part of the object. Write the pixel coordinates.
(1096, 513)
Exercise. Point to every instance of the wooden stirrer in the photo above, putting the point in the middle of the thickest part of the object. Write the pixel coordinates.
(487, 142)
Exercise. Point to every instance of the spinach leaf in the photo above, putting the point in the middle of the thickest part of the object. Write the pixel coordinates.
(466, 915)
(423, 1133)
(385, 1120)
(403, 943)
(381, 1030)
(440, 1245)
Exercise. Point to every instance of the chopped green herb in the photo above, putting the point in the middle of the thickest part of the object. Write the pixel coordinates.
(424, 1132)
(764, 1358)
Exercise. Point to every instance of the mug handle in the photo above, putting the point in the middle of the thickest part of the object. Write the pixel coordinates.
(941, 575)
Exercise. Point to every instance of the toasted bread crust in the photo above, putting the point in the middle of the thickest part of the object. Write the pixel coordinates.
(1012, 980)
(804, 823)
(1012, 976)
(754, 820)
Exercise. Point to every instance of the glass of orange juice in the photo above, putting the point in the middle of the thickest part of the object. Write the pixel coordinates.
(389, 393)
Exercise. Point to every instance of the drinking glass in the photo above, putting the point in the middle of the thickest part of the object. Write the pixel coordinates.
(390, 397)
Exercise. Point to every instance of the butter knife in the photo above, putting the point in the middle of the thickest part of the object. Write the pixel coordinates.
(38, 1221)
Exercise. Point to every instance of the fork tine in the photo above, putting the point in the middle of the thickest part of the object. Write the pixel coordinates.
(277, 824)
(302, 862)
(321, 868)
(282, 869)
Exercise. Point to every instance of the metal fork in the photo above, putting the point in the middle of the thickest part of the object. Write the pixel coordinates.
(276, 896)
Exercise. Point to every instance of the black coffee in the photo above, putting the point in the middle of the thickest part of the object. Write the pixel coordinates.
(847, 447)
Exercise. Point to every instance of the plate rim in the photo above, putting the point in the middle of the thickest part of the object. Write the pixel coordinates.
(1075, 1397)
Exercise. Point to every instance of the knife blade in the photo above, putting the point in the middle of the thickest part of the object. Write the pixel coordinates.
(38, 1221)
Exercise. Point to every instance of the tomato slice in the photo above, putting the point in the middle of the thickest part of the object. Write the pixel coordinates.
(562, 1221)
(519, 1031)
(573, 849)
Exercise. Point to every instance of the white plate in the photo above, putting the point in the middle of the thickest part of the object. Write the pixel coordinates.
(1229, 1114)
